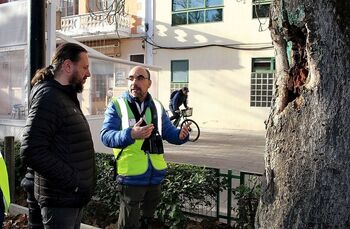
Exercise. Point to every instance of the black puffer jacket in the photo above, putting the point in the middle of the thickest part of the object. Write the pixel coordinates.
(57, 145)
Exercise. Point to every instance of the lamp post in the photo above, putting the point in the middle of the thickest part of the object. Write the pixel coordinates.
(36, 49)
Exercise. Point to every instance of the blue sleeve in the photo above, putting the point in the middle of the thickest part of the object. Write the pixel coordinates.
(185, 101)
(169, 132)
(111, 133)
(175, 101)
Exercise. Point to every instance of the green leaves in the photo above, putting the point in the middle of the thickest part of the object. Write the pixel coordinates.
(103, 209)
(185, 188)
(247, 203)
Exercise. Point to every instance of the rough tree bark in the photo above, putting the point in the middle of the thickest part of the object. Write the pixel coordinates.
(307, 156)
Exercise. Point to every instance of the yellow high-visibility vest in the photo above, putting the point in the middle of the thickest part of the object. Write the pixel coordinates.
(4, 184)
(134, 161)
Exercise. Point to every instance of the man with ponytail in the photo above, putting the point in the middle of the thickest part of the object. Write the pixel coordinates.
(57, 142)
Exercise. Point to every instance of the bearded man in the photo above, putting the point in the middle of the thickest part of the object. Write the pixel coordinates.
(57, 142)
(135, 125)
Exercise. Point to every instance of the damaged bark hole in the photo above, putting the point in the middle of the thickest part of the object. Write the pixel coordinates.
(298, 70)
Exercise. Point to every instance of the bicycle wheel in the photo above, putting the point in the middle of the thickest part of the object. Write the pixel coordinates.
(194, 129)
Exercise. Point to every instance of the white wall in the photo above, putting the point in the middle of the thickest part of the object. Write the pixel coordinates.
(219, 78)
(95, 123)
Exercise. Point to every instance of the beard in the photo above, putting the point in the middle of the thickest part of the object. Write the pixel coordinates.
(136, 92)
(76, 82)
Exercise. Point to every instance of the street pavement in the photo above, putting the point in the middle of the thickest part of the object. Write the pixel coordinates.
(239, 150)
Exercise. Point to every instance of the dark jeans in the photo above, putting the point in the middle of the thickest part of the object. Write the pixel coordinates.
(176, 115)
(58, 218)
(2, 209)
(1, 218)
(137, 203)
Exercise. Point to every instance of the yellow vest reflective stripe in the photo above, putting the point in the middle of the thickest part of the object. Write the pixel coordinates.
(4, 183)
(159, 115)
(123, 109)
(132, 160)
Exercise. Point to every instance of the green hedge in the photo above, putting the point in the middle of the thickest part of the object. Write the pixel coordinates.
(184, 184)
(103, 209)
(20, 171)
(247, 203)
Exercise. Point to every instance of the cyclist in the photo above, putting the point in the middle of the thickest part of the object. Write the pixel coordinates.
(178, 98)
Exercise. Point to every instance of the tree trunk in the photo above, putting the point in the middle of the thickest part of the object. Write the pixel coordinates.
(307, 158)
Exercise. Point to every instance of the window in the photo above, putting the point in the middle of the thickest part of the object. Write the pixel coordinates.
(261, 86)
(69, 7)
(261, 8)
(12, 85)
(101, 81)
(100, 5)
(196, 11)
(179, 74)
(140, 58)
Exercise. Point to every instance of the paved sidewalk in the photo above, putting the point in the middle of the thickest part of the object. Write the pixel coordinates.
(239, 150)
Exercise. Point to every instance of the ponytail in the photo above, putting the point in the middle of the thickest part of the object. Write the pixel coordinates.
(43, 74)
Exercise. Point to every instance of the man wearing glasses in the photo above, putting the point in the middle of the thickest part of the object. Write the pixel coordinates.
(134, 126)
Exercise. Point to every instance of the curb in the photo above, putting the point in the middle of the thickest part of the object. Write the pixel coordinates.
(16, 209)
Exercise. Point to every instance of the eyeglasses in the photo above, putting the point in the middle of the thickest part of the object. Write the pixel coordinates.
(138, 78)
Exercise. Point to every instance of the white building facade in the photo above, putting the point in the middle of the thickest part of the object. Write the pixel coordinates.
(223, 52)
(220, 49)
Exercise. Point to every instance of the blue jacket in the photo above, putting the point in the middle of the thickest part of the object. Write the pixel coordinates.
(179, 99)
(113, 136)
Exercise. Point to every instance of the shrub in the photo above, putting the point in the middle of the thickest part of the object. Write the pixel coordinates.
(103, 209)
(186, 186)
(247, 203)
(20, 171)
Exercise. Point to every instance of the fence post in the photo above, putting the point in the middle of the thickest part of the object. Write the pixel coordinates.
(229, 196)
(218, 195)
(241, 178)
(9, 155)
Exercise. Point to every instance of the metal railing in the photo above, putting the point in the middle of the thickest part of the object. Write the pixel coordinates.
(85, 24)
(222, 206)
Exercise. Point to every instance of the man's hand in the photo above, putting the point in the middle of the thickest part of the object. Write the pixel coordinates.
(141, 132)
(185, 130)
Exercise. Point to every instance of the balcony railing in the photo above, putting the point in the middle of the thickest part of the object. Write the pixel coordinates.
(88, 25)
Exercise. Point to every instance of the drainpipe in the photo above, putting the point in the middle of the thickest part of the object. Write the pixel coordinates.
(149, 30)
(51, 30)
(36, 53)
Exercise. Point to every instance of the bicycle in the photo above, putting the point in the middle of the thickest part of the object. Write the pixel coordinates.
(194, 128)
